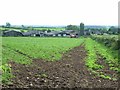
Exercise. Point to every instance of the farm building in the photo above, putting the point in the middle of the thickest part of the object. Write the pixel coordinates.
(34, 33)
(96, 32)
(72, 33)
(61, 34)
(52, 33)
(65, 33)
(12, 33)
(87, 32)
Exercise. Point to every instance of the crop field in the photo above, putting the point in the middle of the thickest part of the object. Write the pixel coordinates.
(57, 62)
(45, 48)
(96, 51)
(23, 50)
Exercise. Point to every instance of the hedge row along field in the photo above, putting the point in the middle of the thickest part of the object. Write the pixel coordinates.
(96, 50)
(24, 49)
(110, 41)
(0, 50)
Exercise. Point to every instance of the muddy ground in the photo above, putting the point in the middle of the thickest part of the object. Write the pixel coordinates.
(69, 72)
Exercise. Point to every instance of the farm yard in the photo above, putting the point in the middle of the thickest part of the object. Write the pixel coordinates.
(32, 62)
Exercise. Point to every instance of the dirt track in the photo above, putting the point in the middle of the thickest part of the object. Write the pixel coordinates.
(68, 72)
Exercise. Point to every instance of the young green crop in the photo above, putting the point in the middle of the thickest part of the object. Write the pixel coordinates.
(111, 57)
(24, 49)
(9, 55)
(95, 48)
(92, 57)
(45, 48)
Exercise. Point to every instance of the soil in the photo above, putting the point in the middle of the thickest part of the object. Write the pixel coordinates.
(106, 70)
(69, 72)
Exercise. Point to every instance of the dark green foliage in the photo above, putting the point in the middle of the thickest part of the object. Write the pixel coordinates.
(23, 27)
(72, 27)
(113, 30)
(8, 24)
(109, 41)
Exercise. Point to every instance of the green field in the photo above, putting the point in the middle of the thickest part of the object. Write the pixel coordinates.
(45, 48)
(24, 49)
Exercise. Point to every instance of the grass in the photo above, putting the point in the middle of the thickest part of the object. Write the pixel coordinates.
(24, 49)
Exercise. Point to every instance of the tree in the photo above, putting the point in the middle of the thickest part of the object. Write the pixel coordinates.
(81, 29)
(118, 30)
(3, 26)
(23, 27)
(29, 28)
(113, 30)
(72, 27)
(8, 24)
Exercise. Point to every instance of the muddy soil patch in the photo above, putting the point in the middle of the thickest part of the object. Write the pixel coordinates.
(68, 72)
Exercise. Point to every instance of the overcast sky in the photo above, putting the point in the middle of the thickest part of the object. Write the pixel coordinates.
(59, 12)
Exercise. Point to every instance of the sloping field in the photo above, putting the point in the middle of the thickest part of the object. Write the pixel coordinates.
(58, 62)
(24, 49)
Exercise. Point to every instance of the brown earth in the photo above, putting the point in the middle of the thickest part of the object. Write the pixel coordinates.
(69, 72)
(106, 70)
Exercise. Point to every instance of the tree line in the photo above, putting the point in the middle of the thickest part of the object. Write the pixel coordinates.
(110, 30)
(81, 28)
